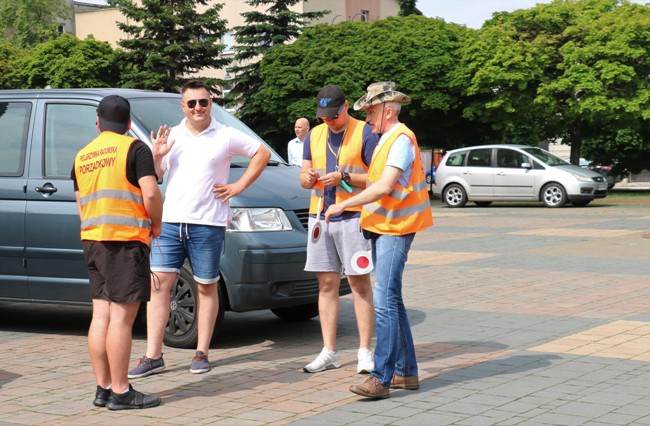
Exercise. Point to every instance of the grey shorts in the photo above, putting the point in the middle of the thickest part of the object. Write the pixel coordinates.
(334, 250)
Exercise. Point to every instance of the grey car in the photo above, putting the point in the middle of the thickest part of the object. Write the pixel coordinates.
(41, 259)
(487, 173)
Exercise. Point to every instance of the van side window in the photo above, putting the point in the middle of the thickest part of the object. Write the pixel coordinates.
(480, 157)
(456, 159)
(68, 128)
(14, 125)
(510, 158)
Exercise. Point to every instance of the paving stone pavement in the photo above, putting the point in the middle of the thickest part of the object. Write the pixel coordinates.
(522, 315)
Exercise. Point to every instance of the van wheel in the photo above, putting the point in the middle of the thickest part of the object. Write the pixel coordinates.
(553, 195)
(297, 313)
(483, 203)
(182, 327)
(455, 195)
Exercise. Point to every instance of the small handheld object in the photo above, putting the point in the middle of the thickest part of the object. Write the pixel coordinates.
(316, 229)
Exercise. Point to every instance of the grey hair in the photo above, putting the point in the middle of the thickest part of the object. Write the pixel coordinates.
(396, 106)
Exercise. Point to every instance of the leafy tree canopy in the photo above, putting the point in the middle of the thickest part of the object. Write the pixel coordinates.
(67, 62)
(406, 7)
(570, 70)
(9, 56)
(169, 41)
(262, 32)
(415, 52)
(28, 22)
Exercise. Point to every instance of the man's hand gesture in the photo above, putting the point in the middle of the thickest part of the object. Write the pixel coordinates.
(160, 146)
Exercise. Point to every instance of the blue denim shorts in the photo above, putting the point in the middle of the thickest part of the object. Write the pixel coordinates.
(200, 244)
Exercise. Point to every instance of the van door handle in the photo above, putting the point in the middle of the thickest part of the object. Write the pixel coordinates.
(45, 189)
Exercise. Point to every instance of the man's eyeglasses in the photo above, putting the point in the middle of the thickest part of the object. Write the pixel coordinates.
(192, 103)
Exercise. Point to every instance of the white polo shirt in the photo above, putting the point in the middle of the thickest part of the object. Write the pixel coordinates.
(194, 165)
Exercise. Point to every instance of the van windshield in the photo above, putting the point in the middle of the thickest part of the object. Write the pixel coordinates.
(545, 156)
(153, 112)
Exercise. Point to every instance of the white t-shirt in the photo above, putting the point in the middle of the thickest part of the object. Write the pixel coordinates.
(194, 165)
(294, 151)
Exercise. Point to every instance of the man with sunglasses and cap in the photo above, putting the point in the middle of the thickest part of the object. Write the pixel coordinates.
(395, 206)
(120, 207)
(196, 156)
(336, 157)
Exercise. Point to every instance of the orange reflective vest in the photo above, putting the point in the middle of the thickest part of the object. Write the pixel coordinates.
(112, 208)
(350, 159)
(406, 209)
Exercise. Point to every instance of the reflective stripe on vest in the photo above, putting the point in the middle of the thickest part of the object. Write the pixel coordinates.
(404, 210)
(112, 208)
(350, 159)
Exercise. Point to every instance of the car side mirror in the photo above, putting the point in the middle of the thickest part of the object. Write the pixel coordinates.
(526, 166)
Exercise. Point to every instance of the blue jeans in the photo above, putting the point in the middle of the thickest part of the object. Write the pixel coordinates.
(201, 244)
(395, 351)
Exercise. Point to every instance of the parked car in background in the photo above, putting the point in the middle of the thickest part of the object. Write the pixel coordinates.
(431, 175)
(488, 173)
(41, 259)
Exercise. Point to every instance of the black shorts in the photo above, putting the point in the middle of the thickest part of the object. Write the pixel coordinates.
(118, 270)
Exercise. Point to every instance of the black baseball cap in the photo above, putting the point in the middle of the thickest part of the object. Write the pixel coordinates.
(329, 101)
(114, 113)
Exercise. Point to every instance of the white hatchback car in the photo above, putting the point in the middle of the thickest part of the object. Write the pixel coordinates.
(487, 173)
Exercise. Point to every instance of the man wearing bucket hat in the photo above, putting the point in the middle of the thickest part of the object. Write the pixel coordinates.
(395, 207)
(336, 157)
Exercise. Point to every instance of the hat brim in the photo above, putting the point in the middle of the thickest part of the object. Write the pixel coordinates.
(329, 112)
(392, 96)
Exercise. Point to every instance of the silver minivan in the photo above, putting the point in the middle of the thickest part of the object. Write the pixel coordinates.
(487, 173)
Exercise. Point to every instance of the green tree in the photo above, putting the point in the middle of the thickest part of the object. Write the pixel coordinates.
(571, 70)
(262, 32)
(69, 62)
(9, 57)
(28, 22)
(169, 41)
(415, 52)
(406, 7)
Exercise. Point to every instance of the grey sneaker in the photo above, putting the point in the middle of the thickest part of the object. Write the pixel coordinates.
(326, 360)
(200, 363)
(131, 400)
(147, 366)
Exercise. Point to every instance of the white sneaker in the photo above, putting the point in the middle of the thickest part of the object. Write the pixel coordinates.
(326, 360)
(366, 361)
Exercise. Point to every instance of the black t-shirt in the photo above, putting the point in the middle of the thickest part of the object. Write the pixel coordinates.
(139, 163)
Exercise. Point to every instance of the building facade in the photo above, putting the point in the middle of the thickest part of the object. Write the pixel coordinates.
(100, 21)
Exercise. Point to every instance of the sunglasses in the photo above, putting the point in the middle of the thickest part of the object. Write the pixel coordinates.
(192, 103)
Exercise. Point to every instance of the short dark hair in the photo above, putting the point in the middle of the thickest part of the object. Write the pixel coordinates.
(194, 84)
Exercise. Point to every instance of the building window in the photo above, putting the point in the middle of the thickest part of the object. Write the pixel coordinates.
(365, 16)
(60, 29)
(228, 40)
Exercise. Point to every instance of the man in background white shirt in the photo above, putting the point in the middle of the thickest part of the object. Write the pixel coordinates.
(296, 145)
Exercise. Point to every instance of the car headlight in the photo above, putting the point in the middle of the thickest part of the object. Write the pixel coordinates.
(258, 220)
(582, 178)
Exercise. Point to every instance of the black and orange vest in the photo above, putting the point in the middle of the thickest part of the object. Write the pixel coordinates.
(112, 208)
(350, 159)
(405, 210)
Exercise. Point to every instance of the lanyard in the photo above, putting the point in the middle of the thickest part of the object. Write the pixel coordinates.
(338, 152)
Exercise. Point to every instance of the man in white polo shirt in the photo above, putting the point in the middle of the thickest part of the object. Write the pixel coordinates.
(196, 155)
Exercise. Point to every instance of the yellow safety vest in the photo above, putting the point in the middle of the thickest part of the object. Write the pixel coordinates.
(405, 210)
(350, 159)
(112, 208)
